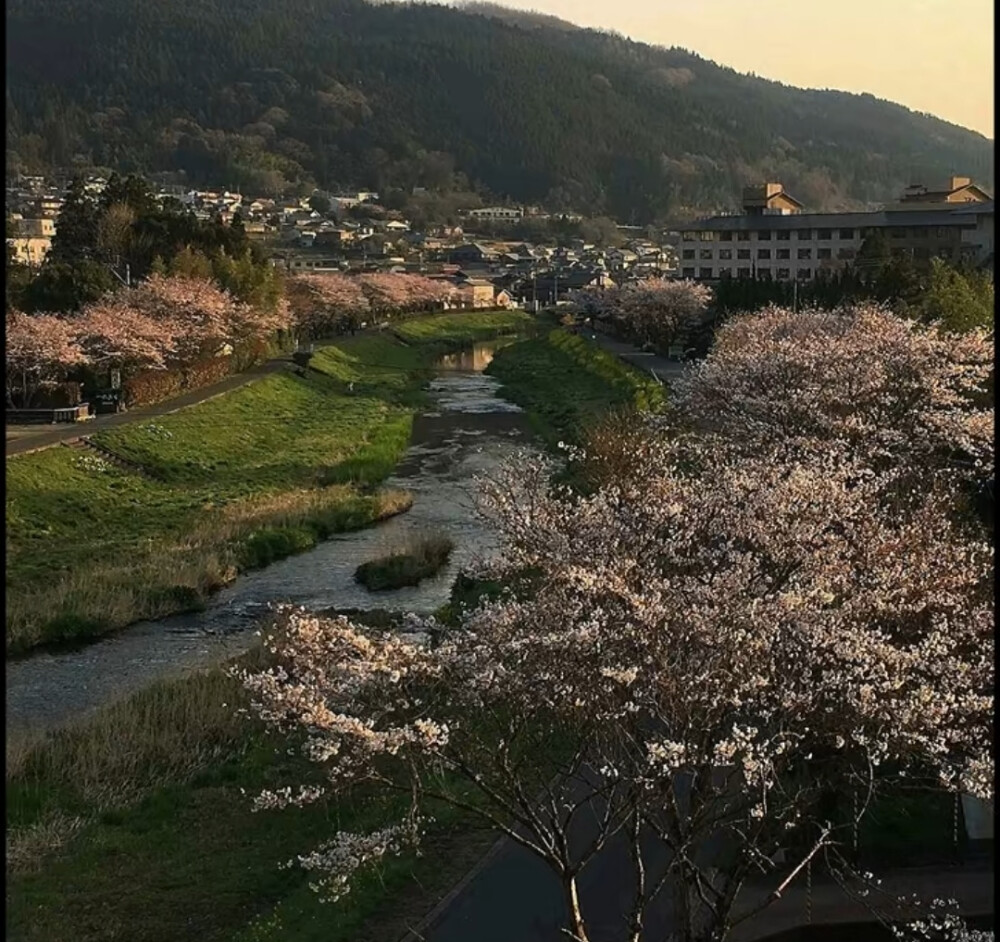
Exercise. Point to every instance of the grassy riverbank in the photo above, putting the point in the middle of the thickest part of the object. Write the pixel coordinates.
(135, 826)
(564, 382)
(230, 484)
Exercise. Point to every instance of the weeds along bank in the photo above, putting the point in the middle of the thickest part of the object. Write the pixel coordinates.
(137, 826)
(233, 483)
(565, 383)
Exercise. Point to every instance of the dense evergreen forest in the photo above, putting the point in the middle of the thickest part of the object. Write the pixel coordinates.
(274, 96)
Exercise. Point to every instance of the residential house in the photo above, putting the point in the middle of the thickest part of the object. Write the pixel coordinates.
(475, 292)
(471, 252)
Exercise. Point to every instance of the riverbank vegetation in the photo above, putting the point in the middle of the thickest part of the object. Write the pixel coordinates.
(235, 482)
(419, 558)
(153, 794)
(564, 383)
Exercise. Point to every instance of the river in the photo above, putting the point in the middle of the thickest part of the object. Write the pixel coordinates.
(466, 431)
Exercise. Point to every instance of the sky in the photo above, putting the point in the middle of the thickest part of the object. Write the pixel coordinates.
(930, 55)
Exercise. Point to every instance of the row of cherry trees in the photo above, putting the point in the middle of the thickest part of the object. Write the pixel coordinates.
(169, 321)
(326, 304)
(163, 323)
(770, 603)
(653, 311)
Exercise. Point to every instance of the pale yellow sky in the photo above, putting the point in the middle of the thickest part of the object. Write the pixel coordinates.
(930, 55)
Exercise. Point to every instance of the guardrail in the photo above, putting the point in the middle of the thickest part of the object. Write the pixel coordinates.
(80, 413)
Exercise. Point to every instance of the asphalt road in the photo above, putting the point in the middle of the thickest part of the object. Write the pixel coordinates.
(515, 898)
(663, 369)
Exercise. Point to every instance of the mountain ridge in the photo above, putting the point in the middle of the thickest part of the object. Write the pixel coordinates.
(271, 95)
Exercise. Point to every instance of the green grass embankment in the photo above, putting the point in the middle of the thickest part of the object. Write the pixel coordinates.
(136, 826)
(236, 482)
(563, 383)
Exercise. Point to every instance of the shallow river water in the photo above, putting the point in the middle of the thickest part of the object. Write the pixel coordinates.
(468, 430)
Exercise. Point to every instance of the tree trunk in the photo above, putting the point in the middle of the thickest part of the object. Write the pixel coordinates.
(576, 924)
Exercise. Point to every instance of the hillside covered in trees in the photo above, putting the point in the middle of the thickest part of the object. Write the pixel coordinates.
(284, 95)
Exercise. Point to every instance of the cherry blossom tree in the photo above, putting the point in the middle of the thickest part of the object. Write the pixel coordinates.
(324, 304)
(114, 334)
(893, 390)
(40, 348)
(684, 665)
(655, 311)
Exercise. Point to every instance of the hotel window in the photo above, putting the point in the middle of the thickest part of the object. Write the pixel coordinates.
(846, 253)
(825, 235)
(743, 253)
(805, 253)
(784, 253)
(706, 236)
(687, 272)
(921, 233)
(725, 237)
(763, 253)
(898, 233)
(764, 235)
(847, 233)
(824, 253)
(743, 272)
(705, 254)
(781, 273)
(804, 234)
(742, 236)
(687, 253)
(764, 274)
(704, 272)
(805, 274)
(687, 236)
(725, 253)
(784, 236)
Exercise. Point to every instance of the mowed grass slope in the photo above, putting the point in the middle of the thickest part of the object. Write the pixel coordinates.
(565, 383)
(235, 482)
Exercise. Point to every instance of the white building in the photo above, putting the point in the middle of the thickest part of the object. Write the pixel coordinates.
(773, 239)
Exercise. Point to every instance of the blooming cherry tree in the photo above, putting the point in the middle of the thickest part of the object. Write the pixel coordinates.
(656, 311)
(689, 658)
(887, 387)
(39, 349)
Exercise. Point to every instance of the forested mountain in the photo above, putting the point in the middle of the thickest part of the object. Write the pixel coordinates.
(269, 95)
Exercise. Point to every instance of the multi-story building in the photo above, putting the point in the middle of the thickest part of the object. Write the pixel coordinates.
(496, 214)
(773, 238)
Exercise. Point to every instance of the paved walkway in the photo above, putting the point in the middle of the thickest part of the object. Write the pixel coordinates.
(662, 368)
(511, 896)
(25, 438)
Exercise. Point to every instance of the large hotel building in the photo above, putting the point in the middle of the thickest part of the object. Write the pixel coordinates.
(774, 238)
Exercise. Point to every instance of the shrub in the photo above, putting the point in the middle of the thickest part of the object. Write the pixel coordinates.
(152, 386)
(417, 560)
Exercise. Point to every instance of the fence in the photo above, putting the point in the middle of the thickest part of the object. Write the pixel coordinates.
(78, 413)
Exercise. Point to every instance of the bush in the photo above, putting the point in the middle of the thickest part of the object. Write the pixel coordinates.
(152, 386)
(418, 560)
(207, 372)
(273, 543)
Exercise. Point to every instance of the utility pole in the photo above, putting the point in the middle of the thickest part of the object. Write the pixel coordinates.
(795, 295)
